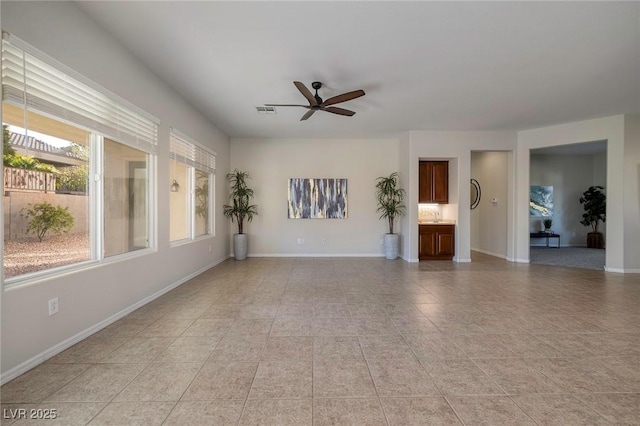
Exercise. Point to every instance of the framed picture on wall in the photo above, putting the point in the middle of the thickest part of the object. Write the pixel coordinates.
(317, 198)
(541, 201)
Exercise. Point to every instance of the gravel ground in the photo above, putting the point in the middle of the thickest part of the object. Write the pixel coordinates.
(31, 255)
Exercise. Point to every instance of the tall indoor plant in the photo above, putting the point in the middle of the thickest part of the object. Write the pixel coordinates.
(595, 205)
(240, 209)
(390, 205)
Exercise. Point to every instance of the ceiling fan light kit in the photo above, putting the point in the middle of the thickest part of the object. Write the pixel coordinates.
(317, 104)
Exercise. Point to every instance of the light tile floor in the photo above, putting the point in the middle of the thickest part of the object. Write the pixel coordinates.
(357, 342)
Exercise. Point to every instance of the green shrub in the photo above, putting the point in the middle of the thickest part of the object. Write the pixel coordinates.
(19, 161)
(43, 217)
(72, 178)
(7, 149)
(202, 194)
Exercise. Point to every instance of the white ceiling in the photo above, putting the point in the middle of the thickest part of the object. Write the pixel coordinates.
(423, 65)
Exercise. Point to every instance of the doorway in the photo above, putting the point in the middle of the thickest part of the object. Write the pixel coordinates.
(567, 171)
(489, 202)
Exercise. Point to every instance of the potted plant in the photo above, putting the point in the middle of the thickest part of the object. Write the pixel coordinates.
(547, 225)
(595, 205)
(240, 209)
(390, 197)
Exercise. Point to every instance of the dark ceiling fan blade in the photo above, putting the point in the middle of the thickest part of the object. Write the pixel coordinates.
(308, 114)
(288, 105)
(344, 97)
(306, 93)
(340, 111)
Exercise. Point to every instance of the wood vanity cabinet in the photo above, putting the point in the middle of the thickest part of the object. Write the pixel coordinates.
(433, 182)
(436, 242)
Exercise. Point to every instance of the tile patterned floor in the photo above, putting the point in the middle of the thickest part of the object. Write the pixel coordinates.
(357, 342)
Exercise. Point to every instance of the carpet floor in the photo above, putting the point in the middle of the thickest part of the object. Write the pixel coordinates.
(572, 257)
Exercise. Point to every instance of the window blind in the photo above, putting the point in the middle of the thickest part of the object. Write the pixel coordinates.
(189, 152)
(34, 81)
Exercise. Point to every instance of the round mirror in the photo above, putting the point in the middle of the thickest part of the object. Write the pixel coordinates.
(475, 194)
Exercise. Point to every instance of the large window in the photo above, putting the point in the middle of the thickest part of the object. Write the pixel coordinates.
(78, 186)
(191, 174)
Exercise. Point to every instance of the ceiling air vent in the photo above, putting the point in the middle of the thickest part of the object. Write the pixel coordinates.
(266, 109)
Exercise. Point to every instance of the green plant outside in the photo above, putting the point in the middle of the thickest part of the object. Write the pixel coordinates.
(73, 178)
(240, 195)
(44, 217)
(19, 161)
(390, 198)
(594, 202)
(202, 194)
(7, 149)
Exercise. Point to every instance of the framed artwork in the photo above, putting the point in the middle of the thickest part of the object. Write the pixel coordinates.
(541, 201)
(317, 198)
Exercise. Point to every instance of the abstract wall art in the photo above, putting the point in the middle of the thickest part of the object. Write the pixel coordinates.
(317, 198)
(541, 201)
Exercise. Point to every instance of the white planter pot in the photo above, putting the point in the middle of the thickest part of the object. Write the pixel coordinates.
(240, 246)
(391, 246)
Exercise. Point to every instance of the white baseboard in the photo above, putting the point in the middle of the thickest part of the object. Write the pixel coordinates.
(316, 255)
(66, 344)
(621, 270)
(459, 260)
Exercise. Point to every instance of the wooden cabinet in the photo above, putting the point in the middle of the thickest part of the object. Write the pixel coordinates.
(436, 242)
(433, 182)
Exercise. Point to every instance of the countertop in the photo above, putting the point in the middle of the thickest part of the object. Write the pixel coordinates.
(437, 222)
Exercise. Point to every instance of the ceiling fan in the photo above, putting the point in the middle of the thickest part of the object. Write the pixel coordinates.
(317, 104)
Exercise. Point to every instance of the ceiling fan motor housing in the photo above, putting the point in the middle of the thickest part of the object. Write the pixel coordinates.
(317, 85)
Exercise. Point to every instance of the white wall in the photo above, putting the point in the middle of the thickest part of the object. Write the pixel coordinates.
(270, 163)
(489, 221)
(455, 147)
(90, 296)
(570, 176)
(631, 190)
(623, 218)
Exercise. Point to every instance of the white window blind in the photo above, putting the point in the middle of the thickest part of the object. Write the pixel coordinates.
(34, 81)
(184, 150)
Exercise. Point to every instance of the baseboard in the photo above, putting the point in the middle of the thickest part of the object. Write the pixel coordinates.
(66, 344)
(501, 256)
(621, 270)
(316, 255)
(459, 260)
(518, 260)
(552, 245)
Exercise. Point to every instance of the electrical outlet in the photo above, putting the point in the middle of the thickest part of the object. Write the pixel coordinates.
(300, 240)
(53, 306)
(324, 241)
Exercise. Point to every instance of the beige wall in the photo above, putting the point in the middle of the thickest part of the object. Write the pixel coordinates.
(270, 163)
(631, 193)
